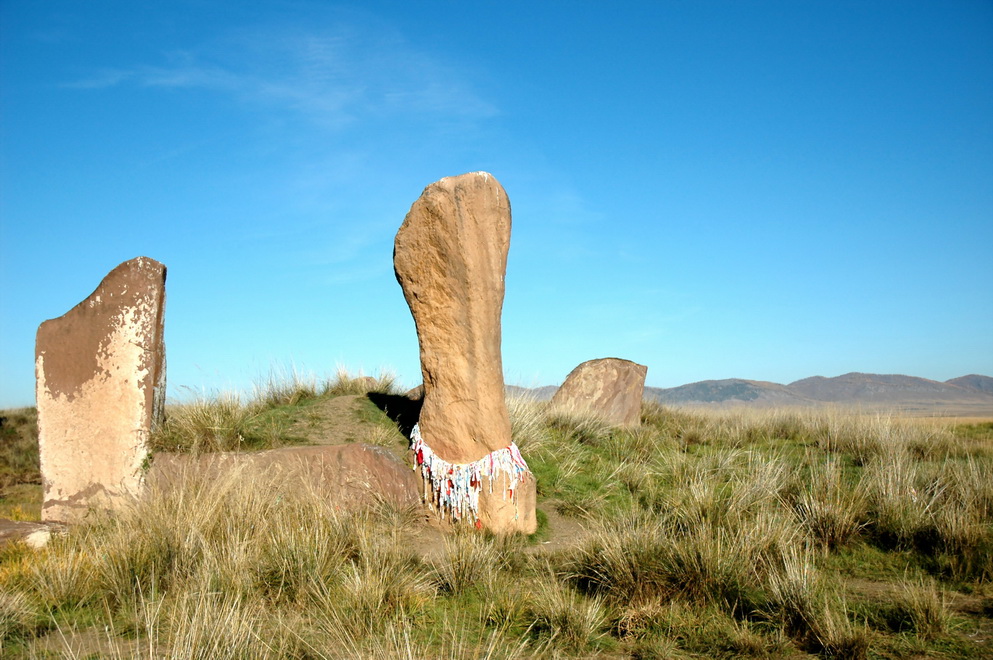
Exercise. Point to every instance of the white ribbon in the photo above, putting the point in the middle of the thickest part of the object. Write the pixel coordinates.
(454, 487)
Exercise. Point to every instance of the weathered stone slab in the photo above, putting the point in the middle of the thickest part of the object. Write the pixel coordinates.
(610, 387)
(353, 476)
(100, 385)
(34, 534)
(450, 258)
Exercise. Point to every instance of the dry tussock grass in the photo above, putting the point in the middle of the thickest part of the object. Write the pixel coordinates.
(707, 533)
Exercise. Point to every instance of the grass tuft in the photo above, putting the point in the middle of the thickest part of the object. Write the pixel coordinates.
(924, 607)
(206, 424)
(565, 618)
(470, 561)
(829, 507)
(343, 383)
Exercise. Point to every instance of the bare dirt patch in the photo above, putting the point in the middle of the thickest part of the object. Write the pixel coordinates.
(563, 531)
(331, 421)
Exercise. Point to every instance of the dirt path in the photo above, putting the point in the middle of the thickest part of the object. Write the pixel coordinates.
(563, 531)
(331, 421)
(968, 606)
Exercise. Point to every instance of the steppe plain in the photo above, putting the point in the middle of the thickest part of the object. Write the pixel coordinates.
(728, 530)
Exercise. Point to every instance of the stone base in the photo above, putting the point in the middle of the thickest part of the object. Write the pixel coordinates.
(500, 514)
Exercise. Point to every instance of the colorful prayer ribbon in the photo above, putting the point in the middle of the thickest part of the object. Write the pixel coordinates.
(454, 487)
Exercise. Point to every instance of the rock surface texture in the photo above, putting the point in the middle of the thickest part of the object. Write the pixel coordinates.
(352, 476)
(450, 258)
(610, 387)
(34, 534)
(100, 385)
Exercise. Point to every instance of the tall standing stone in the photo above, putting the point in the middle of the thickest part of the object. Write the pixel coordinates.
(100, 374)
(610, 387)
(450, 257)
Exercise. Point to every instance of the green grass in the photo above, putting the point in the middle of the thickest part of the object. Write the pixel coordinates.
(284, 410)
(982, 431)
(736, 534)
(20, 473)
(19, 447)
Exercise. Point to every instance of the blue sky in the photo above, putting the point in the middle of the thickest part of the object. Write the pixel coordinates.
(765, 190)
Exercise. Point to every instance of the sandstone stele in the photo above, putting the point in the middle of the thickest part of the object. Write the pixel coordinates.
(100, 386)
(450, 258)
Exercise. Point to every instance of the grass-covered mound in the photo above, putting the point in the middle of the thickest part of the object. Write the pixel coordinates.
(776, 534)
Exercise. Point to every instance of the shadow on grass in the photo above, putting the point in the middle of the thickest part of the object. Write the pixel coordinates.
(403, 411)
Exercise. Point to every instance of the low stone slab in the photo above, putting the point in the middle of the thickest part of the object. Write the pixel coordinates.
(34, 534)
(610, 387)
(351, 475)
(100, 386)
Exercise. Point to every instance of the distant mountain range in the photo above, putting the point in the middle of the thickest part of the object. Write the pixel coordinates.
(971, 394)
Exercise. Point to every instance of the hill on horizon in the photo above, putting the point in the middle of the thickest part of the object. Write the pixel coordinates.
(971, 394)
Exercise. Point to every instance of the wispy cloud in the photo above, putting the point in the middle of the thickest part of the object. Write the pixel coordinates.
(332, 76)
(101, 79)
(286, 88)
